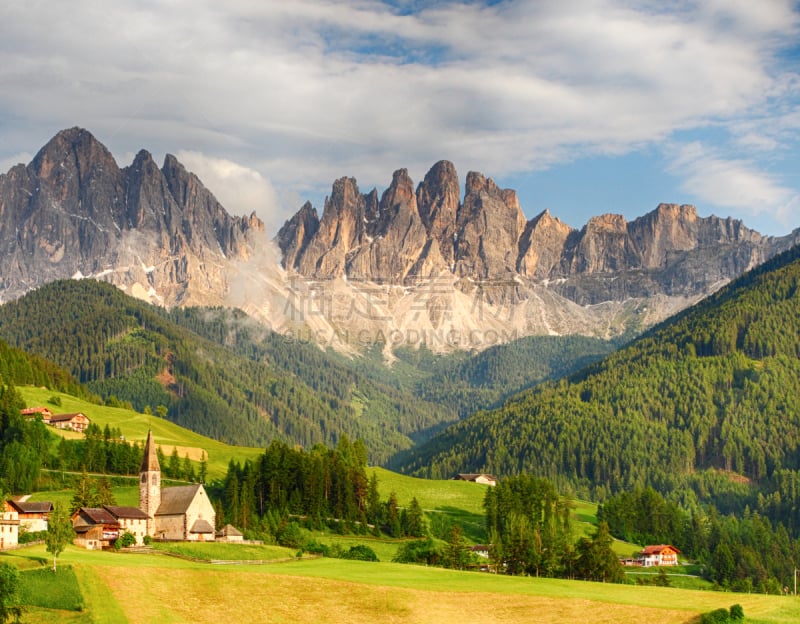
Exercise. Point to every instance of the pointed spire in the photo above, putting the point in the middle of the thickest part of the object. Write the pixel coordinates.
(150, 457)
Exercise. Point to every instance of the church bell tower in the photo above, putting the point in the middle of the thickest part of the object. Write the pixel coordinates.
(150, 484)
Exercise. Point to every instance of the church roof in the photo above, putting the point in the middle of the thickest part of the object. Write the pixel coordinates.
(150, 457)
(176, 500)
(202, 526)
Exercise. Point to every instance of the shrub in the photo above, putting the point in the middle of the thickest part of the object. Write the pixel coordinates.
(125, 540)
(737, 613)
(360, 553)
(717, 616)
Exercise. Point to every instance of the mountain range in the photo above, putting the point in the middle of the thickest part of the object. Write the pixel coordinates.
(407, 267)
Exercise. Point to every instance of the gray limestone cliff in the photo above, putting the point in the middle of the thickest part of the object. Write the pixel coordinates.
(156, 232)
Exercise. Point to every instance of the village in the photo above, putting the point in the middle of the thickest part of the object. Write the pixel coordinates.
(182, 513)
(178, 513)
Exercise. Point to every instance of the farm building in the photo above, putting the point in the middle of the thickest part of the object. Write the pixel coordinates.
(131, 520)
(650, 556)
(33, 412)
(9, 529)
(485, 479)
(74, 422)
(32, 515)
(95, 528)
(229, 533)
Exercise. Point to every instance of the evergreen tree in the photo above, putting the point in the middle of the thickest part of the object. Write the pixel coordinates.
(103, 493)
(84, 495)
(415, 520)
(456, 555)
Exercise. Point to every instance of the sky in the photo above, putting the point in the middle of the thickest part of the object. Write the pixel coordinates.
(582, 107)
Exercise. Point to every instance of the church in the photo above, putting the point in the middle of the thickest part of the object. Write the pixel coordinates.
(174, 513)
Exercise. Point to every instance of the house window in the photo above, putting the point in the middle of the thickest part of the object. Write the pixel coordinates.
(144, 478)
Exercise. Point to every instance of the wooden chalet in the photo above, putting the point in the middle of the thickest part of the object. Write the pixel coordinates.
(651, 556)
(485, 479)
(33, 412)
(95, 528)
(32, 516)
(74, 422)
(659, 555)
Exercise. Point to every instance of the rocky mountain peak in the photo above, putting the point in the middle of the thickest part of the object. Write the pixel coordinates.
(154, 232)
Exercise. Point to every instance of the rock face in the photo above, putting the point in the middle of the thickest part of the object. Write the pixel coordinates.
(410, 266)
(157, 233)
(485, 239)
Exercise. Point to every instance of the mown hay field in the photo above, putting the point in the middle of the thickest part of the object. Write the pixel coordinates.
(140, 588)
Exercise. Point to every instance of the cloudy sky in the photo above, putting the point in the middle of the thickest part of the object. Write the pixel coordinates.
(583, 107)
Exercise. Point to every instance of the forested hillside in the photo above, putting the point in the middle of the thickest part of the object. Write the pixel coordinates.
(715, 388)
(126, 350)
(471, 382)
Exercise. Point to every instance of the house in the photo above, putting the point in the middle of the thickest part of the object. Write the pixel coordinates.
(175, 513)
(75, 422)
(9, 529)
(229, 533)
(485, 479)
(33, 412)
(660, 555)
(131, 520)
(95, 528)
(32, 515)
(481, 550)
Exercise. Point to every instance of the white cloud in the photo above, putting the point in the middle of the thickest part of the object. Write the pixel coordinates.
(240, 189)
(733, 184)
(16, 159)
(310, 90)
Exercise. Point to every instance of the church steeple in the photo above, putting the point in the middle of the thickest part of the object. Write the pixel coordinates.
(150, 483)
(150, 457)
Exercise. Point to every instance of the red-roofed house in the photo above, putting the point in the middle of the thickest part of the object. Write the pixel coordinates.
(33, 412)
(660, 555)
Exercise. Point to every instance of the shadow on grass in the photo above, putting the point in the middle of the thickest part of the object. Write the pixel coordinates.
(472, 524)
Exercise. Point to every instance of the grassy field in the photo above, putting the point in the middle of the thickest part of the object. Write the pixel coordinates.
(134, 427)
(139, 588)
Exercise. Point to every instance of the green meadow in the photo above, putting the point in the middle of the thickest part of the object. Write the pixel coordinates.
(134, 426)
(93, 587)
(102, 587)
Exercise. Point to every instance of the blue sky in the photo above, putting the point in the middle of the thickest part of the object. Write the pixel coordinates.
(583, 107)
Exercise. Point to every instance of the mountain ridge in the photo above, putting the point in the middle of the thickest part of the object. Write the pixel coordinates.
(410, 266)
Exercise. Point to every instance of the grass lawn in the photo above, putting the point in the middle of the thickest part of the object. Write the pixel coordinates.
(230, 552)
(134, 427)
(140, 588)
